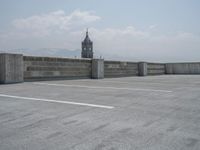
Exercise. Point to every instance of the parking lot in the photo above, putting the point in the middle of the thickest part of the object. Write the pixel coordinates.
(132, 113)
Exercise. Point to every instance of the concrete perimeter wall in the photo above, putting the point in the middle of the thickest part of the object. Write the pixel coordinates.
(183, 68)
(155, 68)
(41, 68)
(18, 68)
(120, 69)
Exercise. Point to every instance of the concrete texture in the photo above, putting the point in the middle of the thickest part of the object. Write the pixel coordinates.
(183, 68)
(16, 68)
(120, 69)
(154, 113)
(155, 69)
(97, 68)
(49, 68)
(11, 68)
(142, 69)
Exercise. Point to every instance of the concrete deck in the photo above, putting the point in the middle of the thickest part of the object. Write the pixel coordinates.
(134, 113)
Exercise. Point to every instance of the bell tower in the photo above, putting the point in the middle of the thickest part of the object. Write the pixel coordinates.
(87, 47)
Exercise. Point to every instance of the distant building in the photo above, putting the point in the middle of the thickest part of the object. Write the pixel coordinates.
(87, 47)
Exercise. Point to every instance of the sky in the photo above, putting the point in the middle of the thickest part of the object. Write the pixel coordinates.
(135, 30)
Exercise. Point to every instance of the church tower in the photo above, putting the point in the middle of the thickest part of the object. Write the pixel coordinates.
(87, 47)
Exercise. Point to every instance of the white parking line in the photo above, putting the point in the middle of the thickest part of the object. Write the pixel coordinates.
(99, 87)
(57, 101)
(135, 82)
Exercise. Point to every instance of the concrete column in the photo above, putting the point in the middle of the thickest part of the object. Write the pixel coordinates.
(142, 68)
(169, 68)
(97, 68)
(11, 68)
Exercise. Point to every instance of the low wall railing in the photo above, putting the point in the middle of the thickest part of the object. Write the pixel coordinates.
(16, 68)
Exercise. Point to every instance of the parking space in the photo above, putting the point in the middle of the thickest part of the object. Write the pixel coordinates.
(154, 112)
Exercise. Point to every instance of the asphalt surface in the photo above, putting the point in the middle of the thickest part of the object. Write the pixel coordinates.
(134, 113)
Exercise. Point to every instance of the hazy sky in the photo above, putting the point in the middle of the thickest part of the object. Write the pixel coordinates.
(149, 30)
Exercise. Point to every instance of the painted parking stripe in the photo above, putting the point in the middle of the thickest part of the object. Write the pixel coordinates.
(125, 82)
(100, 87)
(57, 101)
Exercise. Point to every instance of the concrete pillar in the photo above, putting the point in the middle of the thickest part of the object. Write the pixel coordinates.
(97, 68)
(169, 68)
(142, 68)
(11, 68)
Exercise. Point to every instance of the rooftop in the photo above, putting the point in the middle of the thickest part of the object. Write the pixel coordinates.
(154, 112)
